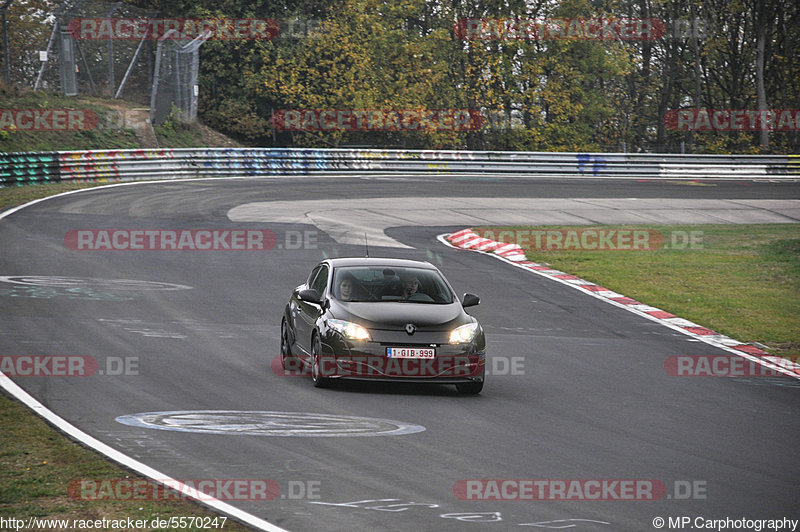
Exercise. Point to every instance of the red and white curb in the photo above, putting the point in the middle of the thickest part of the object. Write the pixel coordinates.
(513, 254)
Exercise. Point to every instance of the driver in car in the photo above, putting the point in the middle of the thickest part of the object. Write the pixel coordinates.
(346, 288)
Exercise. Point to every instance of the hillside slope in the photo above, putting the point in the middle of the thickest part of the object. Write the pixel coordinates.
(111, 124)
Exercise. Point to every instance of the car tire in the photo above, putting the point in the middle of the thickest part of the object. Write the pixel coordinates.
(470, 388)
(286, 350)
(316, 356)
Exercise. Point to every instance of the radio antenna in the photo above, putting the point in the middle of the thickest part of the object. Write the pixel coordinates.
(366, 243)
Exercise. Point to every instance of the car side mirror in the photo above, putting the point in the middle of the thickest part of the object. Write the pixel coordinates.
(470, 300)
(310, 295)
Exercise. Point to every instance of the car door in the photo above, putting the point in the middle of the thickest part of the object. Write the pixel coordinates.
(307, 313)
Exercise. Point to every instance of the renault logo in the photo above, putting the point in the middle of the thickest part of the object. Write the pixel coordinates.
(410, 328)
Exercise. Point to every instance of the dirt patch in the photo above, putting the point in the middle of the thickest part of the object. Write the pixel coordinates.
(215, 138)
(139, 121)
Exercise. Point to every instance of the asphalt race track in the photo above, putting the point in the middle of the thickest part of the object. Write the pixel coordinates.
(588, 397)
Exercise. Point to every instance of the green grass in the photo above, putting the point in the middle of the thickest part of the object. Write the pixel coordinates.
(14, 196)
(176, 134)
(107, 135)
(78, 140)
(179, 135)
(37, 465)
(740, 280)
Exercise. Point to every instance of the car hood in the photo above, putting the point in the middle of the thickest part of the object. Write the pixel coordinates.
(395, 316)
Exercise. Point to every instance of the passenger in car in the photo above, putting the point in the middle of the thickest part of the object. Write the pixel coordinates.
(410, 286)
(349, 289)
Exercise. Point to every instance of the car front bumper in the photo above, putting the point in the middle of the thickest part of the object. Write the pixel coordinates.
(368, 360)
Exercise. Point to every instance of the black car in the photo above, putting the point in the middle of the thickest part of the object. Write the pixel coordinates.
(382, 319)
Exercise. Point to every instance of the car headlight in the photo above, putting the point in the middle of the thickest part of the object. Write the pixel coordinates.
(349, 330)
(463, 334)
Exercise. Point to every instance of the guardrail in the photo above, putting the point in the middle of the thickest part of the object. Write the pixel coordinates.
(22, 168)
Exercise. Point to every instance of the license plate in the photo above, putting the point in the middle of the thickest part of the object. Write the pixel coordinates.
(410, 352)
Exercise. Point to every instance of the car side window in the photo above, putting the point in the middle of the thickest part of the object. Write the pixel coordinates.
(320, 282)
(313, 275)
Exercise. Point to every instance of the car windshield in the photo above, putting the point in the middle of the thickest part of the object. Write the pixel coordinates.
(390, 284)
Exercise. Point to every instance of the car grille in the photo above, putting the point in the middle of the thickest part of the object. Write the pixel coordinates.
(401, 344)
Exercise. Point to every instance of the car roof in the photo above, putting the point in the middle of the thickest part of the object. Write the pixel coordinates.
(378, 261)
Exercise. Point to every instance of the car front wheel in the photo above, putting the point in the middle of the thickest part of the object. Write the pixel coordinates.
(316, 364)
(286, 351)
